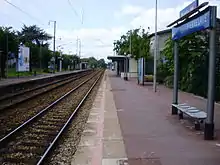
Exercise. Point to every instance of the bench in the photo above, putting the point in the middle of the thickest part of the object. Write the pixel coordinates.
(197, 115)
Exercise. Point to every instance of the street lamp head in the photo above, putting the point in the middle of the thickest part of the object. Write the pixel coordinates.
(51, 21)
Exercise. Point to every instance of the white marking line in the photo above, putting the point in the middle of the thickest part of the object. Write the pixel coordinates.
(113, 161)
(89, 131)
(217, 144)
(120, 110)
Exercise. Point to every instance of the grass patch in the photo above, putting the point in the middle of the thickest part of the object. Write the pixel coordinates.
(12, 72)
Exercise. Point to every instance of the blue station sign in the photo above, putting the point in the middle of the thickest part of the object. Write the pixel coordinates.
(189, 8)
(200, 23)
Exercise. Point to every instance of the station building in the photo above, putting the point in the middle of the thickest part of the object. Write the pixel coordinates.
(118, 61)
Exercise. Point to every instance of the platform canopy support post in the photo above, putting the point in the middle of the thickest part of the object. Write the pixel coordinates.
(125, 69)
(176, 78)
(209, 123)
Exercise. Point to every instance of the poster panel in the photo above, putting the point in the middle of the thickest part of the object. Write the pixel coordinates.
(23, 64)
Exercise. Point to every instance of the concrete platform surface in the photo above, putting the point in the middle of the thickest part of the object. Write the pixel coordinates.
(16, 80)
(101, 142)
(152, 136)
(131, 125)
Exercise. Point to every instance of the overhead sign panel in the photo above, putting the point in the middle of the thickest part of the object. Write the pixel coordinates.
(200, 23)
(189, 8)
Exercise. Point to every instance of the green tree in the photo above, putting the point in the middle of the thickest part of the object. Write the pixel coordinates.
(8, 43)
(193, 62)
(70, 60)
(33, 34)
(36, 38)
(139, 44)
(101, 63)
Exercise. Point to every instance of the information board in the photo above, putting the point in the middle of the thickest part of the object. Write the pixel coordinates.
(23, 59)
(200, 23)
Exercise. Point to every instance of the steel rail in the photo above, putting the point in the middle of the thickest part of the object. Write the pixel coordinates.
(33, 89)
(43, 157)
(40, 93)
(6, 137)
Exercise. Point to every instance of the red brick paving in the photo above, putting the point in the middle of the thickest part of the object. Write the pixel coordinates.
(151, 132)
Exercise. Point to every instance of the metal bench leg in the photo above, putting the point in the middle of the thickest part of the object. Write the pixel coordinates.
(209, 131)
(197, 125)
(180, 115)
(174, 110)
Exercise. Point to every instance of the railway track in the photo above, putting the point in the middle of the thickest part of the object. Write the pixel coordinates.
(22, 96)
(12, 117)
(31, 142)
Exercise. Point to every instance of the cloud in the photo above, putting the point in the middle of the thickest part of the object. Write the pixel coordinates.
(97, 42)
(128, 10)
(146, 17)
(131, 10)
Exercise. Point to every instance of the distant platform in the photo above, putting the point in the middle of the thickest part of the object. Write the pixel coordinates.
(16, 80)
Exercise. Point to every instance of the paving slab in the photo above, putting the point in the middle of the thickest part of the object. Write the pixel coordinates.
(101, 142)
(152, 135)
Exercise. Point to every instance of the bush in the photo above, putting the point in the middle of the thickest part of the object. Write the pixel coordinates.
(160, 77)
(148, 78)
(46, 70)
(168, 81)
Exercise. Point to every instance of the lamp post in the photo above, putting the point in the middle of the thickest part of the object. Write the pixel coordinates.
(54, 41)
(60, 62)
(155, 52)
(79, 48)
(7, 54)
(59, 59)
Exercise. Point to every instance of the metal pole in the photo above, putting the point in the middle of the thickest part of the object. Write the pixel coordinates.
(79, 48)
(40, 58)
(209, 124)
(54, 42)
(60, 67)
(0, 65)
(77, 45)
(130, 42)
(175, 80)
(7, 54)
(155, 52)
(126, 60)
(143, 70)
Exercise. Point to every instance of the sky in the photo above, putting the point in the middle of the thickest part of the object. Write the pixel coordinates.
(97, 23)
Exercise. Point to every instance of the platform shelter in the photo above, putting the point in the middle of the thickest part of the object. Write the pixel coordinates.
(124, 66)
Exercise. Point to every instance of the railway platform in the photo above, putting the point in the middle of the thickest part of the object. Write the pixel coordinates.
(129, 124)
(16, 80)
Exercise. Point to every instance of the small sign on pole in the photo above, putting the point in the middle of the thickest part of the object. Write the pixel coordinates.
(205, 19)
(189, 8)
(201, 22)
